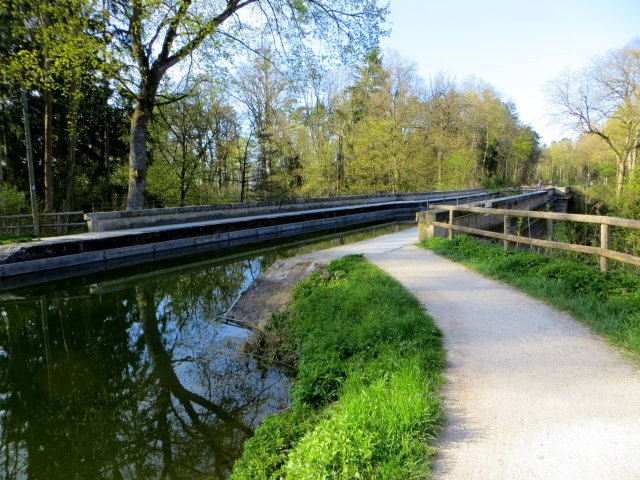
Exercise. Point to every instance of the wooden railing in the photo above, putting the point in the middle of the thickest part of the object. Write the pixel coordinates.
(54, 222)
(506, 236)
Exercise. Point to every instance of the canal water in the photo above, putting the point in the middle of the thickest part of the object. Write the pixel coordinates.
(128, 374)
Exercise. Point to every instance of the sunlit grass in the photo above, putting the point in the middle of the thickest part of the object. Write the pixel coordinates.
(608, 302)
(365, 401)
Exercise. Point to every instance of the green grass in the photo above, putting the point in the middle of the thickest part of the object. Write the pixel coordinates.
(6, 240)
(608, 302)
(365, 401)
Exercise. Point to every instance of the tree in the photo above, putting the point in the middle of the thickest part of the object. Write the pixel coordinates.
(263, 91)
(603, 100)
(193, 144)
(54, 46)
(153, 37)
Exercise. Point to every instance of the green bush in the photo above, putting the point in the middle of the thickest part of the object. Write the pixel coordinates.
(12, 201)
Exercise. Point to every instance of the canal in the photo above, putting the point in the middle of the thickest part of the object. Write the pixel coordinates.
(128, 374)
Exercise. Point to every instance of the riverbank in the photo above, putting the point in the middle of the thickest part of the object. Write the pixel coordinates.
(365, 400)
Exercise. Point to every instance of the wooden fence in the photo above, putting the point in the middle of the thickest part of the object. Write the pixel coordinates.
(506, 236)
(52, 223)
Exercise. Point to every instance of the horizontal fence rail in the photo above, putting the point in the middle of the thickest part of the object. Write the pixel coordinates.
(602, 251)
(53, 222)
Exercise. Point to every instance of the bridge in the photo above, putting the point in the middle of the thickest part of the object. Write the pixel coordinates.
(130, 237)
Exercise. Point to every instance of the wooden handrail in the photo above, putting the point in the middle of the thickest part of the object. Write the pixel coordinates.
(602, 251)
(573, 217)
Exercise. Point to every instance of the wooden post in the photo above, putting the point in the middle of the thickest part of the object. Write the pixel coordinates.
(32, 181)
(604, 243)
(506, 228)
(450, 233)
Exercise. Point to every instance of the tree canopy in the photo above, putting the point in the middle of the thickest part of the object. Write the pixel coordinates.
(260, 103)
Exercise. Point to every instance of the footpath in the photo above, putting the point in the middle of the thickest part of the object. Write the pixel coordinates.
(530, 393)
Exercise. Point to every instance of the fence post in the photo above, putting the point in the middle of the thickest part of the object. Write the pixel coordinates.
(506, 228)
(450, 232)
(604, 244)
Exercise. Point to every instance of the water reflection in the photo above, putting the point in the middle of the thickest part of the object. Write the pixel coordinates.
(129, 375)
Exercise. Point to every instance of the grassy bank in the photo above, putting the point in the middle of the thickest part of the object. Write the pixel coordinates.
(365, 399)
(9, 239)
(608, 302)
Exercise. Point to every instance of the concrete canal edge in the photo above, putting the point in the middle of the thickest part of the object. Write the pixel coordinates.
(97, 251)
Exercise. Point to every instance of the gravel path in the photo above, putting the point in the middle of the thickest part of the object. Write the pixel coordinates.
(531, 393)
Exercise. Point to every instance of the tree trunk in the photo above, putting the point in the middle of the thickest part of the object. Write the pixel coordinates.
(107, 166)
(48, 151)
(3, 158)
(138, 157)
(32, 181)
(71, 163)
(72, 128)
(138, 138)
(340, 167)
(621, 173)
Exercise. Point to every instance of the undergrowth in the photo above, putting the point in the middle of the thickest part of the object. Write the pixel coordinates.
(609, 302)
(6, 240)
(365, 400)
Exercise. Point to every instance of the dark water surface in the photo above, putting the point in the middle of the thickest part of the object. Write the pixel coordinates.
(128, 374)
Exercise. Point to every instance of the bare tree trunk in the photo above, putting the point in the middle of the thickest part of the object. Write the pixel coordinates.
(71, 163)
(48, 150)
(340, 167)
(48, 123)
(107, 165)
(243, 171)
(72, 128)
(621, 173)
(32, 181)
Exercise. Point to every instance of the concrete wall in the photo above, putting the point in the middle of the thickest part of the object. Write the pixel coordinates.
(110, 221)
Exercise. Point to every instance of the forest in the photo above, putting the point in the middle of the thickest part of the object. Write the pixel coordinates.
(134, 104)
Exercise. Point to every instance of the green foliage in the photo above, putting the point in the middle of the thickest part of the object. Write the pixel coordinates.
(12, 201)
(365, 399)
(609, 302)
(14, 239)
(266, 453)
(379, 429)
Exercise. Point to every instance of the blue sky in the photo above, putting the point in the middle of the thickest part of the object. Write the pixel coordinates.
(516, 46)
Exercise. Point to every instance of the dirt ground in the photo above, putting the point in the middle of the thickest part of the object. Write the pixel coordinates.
(270, 293)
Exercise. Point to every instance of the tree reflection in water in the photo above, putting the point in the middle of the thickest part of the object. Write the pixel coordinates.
(131, 377)
(134, 380)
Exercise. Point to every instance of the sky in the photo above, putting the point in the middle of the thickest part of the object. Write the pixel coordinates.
(516, 46)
